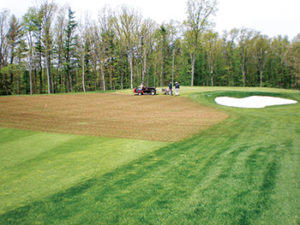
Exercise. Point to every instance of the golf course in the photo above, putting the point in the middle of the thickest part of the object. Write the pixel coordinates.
(114, 158)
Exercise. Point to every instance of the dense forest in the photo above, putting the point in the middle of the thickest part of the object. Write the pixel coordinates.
(48, 50)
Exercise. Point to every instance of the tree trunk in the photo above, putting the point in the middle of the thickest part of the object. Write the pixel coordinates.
(102, 77)
(144, 66)
(121, 82)
(83, 75)
(161, 73)
(12, 56)
(173, 65)
(60, 78)
(70, 81)
(131, 69)
(18, 85)
(34, 78)
(30, 79)
(260, 78)
(244, 78)
(244, 74)
(48, 72)
(193, 69)
(137, 68)
(59, 72)
(212, 75)
(155, 70)
(67, 83)
(30, 71)
(76, 76)
(52, 81)
(41, 73)
(95, 83)
(110, 76)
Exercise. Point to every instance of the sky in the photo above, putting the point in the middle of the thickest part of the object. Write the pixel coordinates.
(270, 17)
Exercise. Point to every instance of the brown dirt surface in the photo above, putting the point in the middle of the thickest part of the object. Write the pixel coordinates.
(157, 118)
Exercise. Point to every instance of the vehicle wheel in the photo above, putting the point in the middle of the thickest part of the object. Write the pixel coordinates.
(153, 92)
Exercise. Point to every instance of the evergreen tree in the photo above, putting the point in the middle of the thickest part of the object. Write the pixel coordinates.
(14, 36)
(70, 43)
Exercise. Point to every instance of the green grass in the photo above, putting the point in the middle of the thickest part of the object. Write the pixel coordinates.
(244, 170)
(34, 165)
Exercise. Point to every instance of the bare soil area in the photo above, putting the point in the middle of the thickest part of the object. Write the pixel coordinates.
(159, 118)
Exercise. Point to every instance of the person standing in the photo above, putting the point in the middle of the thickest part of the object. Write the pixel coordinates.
(177, 87)
(170, 88)
(140, 88)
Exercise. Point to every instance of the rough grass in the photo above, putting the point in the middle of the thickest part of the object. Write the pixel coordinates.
(244, 170)
(154, 118)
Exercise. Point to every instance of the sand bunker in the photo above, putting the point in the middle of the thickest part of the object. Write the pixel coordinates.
(253, 101)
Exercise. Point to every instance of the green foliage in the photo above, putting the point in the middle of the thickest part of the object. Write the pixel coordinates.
(117, 47)
(10, 79)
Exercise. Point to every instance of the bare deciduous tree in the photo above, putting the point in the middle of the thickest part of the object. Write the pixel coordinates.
(262, 45)
(245, 37)
(199, 12)
(48, 10)
(127, 26)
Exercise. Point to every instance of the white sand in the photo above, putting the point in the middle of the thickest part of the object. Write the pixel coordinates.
(253, 101)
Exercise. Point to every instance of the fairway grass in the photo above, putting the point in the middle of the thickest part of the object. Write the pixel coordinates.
(244, 170)
(34, 165)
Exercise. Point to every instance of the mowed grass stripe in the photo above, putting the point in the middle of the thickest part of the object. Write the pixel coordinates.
(229, 174)
(136, 173)
(40, 164)
(17, 151)
(10, 135)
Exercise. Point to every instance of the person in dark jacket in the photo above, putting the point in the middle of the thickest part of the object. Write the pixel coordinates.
(170, 88)
(177, 86)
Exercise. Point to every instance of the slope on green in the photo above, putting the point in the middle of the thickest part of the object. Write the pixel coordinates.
(242, 171)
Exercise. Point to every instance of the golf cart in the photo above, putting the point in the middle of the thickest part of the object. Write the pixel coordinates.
(145, 90)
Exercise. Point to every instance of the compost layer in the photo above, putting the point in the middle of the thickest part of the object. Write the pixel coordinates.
(157, 118)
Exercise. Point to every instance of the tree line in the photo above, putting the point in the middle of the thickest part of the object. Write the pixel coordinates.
(48, 50)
